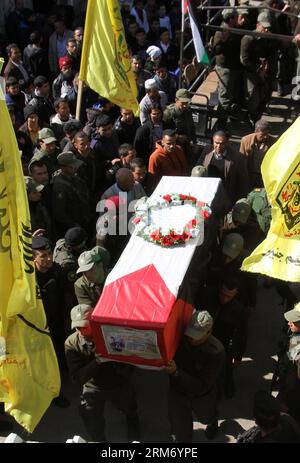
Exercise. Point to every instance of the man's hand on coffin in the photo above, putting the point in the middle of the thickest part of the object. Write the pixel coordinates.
(98, 358)
(171, 367)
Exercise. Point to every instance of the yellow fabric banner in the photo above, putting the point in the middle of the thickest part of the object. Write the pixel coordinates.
(105, 64)
(29, 374)
(278, 255)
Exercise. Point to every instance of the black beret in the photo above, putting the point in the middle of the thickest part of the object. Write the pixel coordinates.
(75, 236)
(40, 243)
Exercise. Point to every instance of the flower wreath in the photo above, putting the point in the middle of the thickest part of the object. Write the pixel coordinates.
(155, 235)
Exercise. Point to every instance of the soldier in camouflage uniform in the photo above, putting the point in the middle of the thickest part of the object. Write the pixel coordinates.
(178, 115)
(66, 253)
(93, 265)
(70, 197)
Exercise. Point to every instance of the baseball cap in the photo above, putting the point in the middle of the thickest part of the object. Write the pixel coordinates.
(75, 236)
(294, 314)
(40, 243)
(80, 315)
(32, 186)
(264, 19)
(200, 324)
(150, 83)
(87, 259)
(47, 135)
(241, 211)
(242, 12)
(64, 61)
(233, 245)
(199, 171)
(183, 95)
(228, 13)
(67, 158)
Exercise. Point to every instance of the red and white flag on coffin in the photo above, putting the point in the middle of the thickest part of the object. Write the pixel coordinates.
(139, 306)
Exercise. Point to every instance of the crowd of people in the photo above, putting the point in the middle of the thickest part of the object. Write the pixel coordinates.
(78, 171)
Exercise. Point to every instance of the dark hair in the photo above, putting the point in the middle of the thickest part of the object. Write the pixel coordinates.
(80, 134)
(35, 37)
(39, 163)
(58, 101)
(39, 81)
(168, 133)
(11, 81)
(70, 40)
(137, 162)
(72, 126)
(155, 106)
(136, 57)
(140, 30)
(230, 282)
(103, 120)
(162, 30)
(161, 64)
(124, 148)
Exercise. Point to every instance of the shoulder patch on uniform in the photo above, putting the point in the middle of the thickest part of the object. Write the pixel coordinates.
(71, 276)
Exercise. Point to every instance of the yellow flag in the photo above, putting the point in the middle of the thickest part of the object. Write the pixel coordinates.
(105, 64)
(279, 254)
(29, 374)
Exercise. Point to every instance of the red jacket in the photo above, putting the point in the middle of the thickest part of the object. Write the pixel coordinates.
(173, 164)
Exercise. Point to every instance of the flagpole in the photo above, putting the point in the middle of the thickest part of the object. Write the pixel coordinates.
(181, 44)
(79, 99)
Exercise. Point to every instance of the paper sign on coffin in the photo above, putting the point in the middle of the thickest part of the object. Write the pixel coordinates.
(138, 318)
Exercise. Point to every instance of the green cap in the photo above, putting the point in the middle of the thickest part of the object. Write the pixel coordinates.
(241, 211)
(293, 315)
(87, 259)
(199, 171)
(68, 158)
(200, 324)
(183, 95)
(47, 135)
(80, 315)
(233, 245)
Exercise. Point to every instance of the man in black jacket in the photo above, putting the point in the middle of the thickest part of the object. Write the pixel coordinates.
(41, 100)
(35, 57)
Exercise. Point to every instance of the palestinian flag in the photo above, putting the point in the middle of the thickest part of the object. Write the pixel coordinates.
(189, 9)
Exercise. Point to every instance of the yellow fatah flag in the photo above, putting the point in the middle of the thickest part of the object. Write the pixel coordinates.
(278, 256)
(29, 374)
(105, 64)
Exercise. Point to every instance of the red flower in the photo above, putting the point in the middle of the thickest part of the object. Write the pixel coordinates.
(194, 222)
(167, 198)
(183, 197)
(165, 241)
(192, 198)
(206, 214)
(136, 220)
(200, 203)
